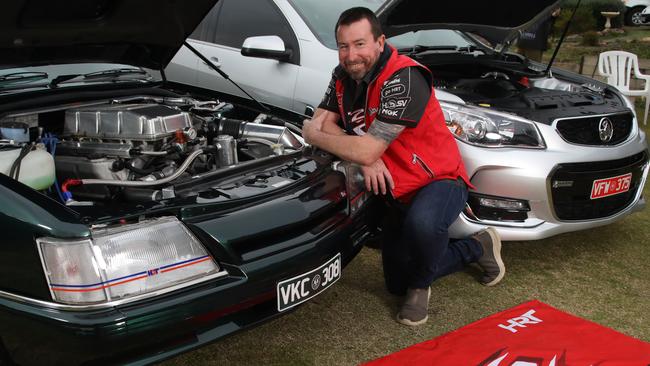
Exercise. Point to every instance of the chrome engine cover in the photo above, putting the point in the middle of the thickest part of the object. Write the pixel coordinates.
(140, 122)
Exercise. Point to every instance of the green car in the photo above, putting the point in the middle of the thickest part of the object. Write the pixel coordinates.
(142, 218)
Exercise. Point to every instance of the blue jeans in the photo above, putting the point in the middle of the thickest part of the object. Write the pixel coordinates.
(416, 248)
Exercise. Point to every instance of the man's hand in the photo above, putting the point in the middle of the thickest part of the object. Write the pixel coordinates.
(310, 127)
(323, 132)
(377, 177)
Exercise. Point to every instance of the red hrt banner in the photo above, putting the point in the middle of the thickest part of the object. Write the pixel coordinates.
(530, 334)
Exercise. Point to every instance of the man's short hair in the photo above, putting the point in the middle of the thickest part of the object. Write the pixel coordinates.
(353, 15)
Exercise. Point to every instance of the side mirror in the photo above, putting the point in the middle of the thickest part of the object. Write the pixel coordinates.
(266, 47)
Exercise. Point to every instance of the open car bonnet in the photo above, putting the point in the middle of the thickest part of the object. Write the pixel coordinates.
(145, 33)
(496, 21)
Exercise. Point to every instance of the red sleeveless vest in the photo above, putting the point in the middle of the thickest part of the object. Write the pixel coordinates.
(418, 155)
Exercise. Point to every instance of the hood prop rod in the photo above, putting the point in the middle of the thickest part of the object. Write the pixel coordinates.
(564, 32)
(225, 76)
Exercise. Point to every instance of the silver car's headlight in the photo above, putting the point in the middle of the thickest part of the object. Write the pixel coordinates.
(481, 127)
(126, 262)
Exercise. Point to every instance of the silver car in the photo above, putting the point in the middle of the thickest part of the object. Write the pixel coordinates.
(548, 151)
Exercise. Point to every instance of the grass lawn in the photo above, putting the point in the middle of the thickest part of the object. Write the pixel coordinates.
(601, 275)
(634, 39)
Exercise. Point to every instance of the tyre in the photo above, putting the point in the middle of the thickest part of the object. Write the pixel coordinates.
(633, 16)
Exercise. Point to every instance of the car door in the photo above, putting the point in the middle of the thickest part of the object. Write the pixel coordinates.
(317, 60)
(220, 37)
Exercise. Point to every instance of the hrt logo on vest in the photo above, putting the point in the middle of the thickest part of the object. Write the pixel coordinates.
(521, 321)
(357, 120)
(356, 117)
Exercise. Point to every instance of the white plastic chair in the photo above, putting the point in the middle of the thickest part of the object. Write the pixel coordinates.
(617, 67)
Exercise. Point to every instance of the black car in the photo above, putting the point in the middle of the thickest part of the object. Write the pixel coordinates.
(142, 218)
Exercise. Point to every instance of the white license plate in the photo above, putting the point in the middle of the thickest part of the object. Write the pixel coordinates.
(611, 186)
(303, 287)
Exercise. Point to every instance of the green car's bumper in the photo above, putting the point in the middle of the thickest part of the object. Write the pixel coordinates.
(149, 331)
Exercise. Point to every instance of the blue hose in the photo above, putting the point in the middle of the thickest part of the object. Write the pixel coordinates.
(50, 142)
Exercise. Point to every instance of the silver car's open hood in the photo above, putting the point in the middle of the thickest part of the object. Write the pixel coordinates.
(143, 33)
(496, 21)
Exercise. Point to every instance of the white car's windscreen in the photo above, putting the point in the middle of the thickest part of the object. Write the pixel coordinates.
(321, 16)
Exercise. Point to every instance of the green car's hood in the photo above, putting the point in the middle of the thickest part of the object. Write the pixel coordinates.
(145, 33)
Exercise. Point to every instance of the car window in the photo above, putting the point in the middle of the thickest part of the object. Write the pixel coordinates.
(321, 15)
(240, 19)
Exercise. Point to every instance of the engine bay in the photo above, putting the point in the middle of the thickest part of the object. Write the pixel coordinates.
(515, 88)
(139, 149)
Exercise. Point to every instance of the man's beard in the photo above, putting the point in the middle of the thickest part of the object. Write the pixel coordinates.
(357, 73)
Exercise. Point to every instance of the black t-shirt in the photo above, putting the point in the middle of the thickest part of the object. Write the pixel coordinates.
(404, 96)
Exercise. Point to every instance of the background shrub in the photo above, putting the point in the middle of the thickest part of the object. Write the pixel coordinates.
(582, 22)
(588, 17)
(590, 38)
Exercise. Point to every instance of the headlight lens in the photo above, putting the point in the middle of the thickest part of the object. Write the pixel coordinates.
(356, 186)
(486, 128)
(124, 262)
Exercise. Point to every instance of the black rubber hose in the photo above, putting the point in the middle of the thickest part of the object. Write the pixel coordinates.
(231, 127)
(141, 194)
(15, 167)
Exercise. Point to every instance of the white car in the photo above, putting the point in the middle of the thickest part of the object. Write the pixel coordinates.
(634, 13)
(290, 42)
(645, 14)
(548, 151)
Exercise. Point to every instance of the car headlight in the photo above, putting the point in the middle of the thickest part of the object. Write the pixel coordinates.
(124, 262)
(480, 127)
(355, 185)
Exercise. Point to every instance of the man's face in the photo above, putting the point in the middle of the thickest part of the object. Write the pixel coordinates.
(358, 48)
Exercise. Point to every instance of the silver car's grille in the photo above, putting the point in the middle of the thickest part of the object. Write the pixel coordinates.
(572, 184)
(593, 130)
